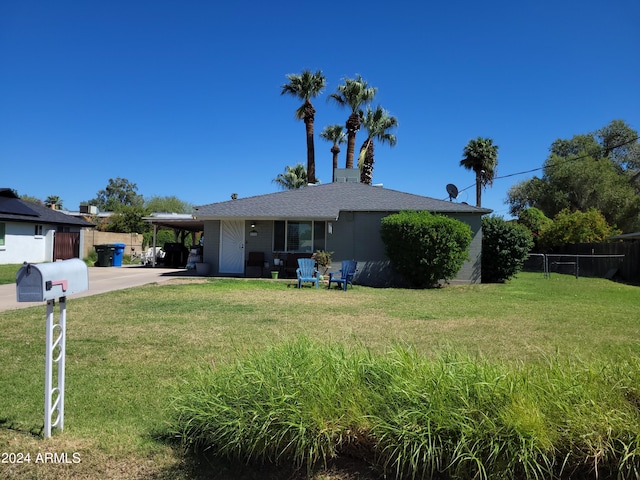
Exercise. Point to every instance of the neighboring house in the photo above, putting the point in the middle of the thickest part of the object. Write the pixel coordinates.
(343, 218)
(34, 233)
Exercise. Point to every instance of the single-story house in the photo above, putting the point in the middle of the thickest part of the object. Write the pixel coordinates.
(343, 218)
(33, 233)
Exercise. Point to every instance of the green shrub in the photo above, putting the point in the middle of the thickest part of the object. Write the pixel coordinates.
(577, 227)
(424, 247)
(535, 220)
(92, 258)
(505, 247)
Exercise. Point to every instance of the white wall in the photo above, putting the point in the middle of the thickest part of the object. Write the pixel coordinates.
(21, 245)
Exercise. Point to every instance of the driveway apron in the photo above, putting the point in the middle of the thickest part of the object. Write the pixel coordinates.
(101, 280)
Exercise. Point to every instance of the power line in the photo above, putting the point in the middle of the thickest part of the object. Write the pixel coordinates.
(568, 160)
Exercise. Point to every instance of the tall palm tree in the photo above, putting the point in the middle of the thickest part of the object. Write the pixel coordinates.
(481, 156)
(336, 135)
(354, 93)
(306, 86)
(292, 177)
(377, 123)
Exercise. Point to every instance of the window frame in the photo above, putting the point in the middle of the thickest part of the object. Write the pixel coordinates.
(281, 227)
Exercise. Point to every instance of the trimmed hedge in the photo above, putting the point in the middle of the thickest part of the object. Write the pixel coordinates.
(426, 248)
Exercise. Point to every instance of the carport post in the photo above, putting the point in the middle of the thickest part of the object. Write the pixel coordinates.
(155, 235)
(54, 396)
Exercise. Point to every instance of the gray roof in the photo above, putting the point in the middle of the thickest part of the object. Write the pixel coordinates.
(326, 201)
(13, 209)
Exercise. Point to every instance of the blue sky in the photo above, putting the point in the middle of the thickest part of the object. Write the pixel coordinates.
(183, 98)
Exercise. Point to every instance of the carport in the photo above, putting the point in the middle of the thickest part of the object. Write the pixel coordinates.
(182, 224)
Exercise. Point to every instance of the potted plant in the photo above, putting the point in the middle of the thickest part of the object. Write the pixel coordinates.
(324, 261)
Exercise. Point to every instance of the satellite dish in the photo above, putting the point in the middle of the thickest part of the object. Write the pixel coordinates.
(452, 190)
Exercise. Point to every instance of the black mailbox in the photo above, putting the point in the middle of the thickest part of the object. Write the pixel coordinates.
(48, 281)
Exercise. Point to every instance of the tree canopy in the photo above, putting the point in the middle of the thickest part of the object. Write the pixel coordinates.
(118, 193)
(598, 171)
(169, 204)
(128, 207)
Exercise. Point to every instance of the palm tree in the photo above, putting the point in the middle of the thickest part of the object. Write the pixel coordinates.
(336, 135)
(53, 201)
(292, 178)
(354, 93)
(481, 156)
(306, 86)
(377, 123)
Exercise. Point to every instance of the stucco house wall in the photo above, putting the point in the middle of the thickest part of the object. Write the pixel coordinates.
(211, 247)
(22, 245)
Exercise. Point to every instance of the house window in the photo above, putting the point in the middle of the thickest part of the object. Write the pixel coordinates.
(2, 233)
(301, 237)
(38, 230)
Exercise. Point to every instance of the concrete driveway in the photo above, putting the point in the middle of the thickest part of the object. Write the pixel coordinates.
(101, 280)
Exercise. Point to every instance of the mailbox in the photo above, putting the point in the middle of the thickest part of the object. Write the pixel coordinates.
(48, 281)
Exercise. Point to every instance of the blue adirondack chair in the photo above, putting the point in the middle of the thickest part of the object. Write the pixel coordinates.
(345, 275)
(306, 271)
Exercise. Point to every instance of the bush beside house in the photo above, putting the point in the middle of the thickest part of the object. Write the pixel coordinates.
(424, 247)
(505, 247)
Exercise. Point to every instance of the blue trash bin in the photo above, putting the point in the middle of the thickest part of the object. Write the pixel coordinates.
(118, 253)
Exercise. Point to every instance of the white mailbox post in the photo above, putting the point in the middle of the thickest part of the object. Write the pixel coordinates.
(48, 282)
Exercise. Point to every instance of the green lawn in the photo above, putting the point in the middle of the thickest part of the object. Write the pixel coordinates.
(8, 273)
(128, 351)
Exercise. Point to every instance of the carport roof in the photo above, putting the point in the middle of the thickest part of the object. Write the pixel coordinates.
(326, 201)
(179, 221)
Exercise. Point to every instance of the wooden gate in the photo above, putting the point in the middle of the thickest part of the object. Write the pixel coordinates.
(66, 245)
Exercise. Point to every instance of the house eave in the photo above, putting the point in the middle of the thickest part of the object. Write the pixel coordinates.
(266, 218)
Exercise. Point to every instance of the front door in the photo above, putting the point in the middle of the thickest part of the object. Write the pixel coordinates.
(232, 246)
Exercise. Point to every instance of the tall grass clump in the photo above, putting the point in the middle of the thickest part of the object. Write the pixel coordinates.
(469, 418)
(296, 403)
(449, 415)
